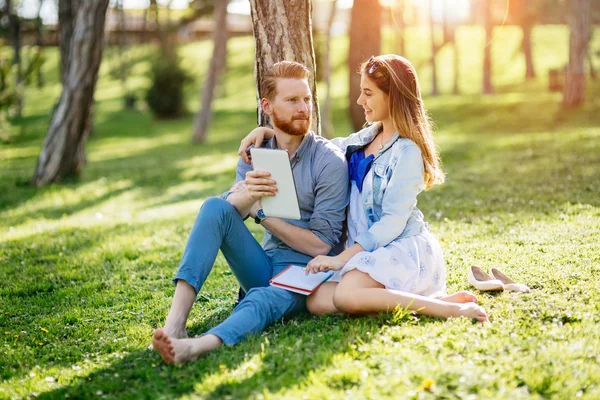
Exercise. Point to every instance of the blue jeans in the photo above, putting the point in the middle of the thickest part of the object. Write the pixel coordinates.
(219, 226)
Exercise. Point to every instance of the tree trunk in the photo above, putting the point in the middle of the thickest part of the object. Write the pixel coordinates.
(217, 63)
(434, 85)
(67, 12)
(60, 156)
(579, 23)
(527, 50)
(282, 31)
(328, 128)
(15, 33)
(39, 42)
(365, 41)
(487, 50)
(456, 87)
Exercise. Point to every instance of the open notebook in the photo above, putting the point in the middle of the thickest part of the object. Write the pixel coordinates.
(294, 279)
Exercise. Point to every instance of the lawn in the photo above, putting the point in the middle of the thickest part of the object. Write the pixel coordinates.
(86, 266)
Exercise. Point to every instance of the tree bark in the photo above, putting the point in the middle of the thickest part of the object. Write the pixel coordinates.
(487, 50)
(60, 156)
(434, 85)
(282, 31)
(365, 41)
(579, 23)
(217, 63)
(67, 12)
(328, 128)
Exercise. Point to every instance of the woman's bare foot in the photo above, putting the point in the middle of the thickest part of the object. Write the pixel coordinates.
(472, 310)
(181, 351)
(460, 297)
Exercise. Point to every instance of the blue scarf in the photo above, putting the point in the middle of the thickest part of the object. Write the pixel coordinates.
(359, 167)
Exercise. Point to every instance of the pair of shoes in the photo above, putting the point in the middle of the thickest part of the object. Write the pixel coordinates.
(494, 282)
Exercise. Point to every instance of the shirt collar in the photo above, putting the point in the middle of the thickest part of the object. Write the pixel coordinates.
(300, 150)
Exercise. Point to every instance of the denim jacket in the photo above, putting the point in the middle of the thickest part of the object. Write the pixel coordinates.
(390, 188)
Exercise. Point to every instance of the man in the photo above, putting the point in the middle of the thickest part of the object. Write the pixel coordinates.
(321, 177)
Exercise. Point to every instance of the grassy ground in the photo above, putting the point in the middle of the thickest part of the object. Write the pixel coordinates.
(86, 266)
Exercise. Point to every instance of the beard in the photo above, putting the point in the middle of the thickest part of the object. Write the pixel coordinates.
(291, 127)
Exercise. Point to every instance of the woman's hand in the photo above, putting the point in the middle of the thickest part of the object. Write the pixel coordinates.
(255, 138)
(324, 263)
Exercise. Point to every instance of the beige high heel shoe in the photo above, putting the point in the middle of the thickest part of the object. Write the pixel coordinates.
(483, 281)
(509, 284)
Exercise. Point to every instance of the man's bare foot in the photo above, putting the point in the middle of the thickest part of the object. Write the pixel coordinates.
(460, 297)
(162, 343)
(181, 351)
(172, 333)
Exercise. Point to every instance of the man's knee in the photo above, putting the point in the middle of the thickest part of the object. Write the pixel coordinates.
(216, 207)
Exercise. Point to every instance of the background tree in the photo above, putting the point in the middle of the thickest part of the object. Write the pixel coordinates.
(217, 64)
(365, 41)
(282, 31)
(450, 37)
(14, 27)
(580, 26)
(525, 14)
(68, 131)
(434, 50)
(487, 50)
(328, 128)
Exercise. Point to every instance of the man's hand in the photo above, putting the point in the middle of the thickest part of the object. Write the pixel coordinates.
(260, 184)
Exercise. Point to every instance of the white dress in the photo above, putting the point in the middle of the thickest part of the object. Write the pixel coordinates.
(414, 264)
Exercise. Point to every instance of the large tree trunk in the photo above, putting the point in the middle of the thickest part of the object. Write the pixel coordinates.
(282, 31)
(527, 50)
(487, 50)
(365, 41)
(328, 128)
(60, 156)
(579, 23)
(67, 12)
(434, 85)
(67, 15)
(217, 63)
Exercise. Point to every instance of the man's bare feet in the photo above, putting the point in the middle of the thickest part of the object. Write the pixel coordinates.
(460, 297)
(181, 351)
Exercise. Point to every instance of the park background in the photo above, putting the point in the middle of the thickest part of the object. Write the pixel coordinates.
(86, 260)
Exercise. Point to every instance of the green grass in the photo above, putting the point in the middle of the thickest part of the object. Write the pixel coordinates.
(86, 266)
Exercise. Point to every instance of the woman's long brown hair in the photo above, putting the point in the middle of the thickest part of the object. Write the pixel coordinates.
(397, 78)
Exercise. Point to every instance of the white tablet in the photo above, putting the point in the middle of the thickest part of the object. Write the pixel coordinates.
(277, 162)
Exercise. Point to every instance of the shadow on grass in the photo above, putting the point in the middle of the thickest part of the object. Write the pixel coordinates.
(292, 352)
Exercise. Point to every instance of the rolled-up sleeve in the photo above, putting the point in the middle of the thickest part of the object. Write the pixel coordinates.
(240, 174)
(399, 200)
(331, 198)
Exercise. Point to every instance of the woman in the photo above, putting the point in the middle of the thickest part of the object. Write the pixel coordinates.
(391, 258)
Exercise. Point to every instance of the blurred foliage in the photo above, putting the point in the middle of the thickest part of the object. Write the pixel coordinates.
(32, 60)
(165, 96)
